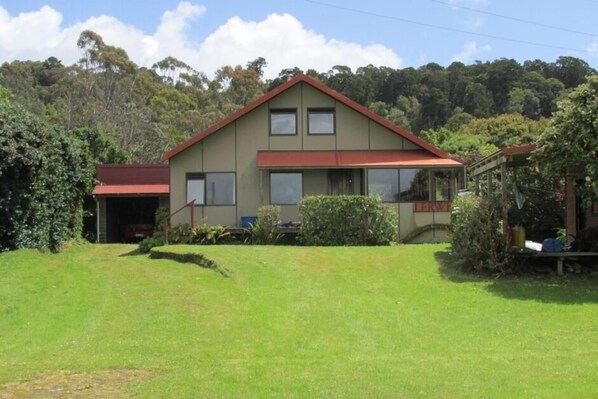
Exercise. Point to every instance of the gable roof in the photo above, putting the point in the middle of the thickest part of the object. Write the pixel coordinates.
(324, 89)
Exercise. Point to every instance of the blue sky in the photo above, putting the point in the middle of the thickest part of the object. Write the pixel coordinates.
(306, 33)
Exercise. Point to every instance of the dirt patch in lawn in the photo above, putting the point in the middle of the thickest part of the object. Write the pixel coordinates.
(62, 385)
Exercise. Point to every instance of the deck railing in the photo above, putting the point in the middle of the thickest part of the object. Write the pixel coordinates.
(166, 221)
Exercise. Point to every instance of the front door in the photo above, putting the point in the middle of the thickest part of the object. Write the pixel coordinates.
(340, 182)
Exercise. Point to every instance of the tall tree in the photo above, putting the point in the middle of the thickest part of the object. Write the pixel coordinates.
(571, 141)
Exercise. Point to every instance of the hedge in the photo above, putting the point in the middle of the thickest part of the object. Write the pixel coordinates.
(346, 220)
(45, 174)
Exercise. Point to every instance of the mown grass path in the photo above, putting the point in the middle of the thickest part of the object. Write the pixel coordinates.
(296, 322)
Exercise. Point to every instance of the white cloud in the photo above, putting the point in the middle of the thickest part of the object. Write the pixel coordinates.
(280, 39)
(592, 49)
(284, 43)
(469, 51)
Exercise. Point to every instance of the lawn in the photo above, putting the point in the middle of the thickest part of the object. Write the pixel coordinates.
(399, 322)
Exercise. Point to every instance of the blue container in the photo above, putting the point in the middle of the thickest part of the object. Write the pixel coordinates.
(248, 221)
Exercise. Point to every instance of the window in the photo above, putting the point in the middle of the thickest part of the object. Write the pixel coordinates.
(443, 190)
(286, 188)
(414, 185)
(320, 121)
(220, 189)
(196, 187)
(283, 121)
(384, 183)
(211, 188)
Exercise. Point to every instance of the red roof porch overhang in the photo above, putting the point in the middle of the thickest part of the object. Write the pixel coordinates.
(351, 159)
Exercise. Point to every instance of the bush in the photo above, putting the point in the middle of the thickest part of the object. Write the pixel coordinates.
(150, 242)
(347, 220)
(162, 213)
(477, 236)
(209, 235)
(180, 234)
(262, 231)
(45, 174)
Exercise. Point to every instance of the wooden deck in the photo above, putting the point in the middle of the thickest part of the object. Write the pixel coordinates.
(559, 256)
(277, 229)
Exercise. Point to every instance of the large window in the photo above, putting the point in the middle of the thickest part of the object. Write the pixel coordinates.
(320, 121)
(286, 188)
(415, 185)
(384, 183)
(220, 189)
(283, 121)
(211, 188)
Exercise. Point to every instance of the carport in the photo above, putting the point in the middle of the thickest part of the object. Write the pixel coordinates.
(127, 198)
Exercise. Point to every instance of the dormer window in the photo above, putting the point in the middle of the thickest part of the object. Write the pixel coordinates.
(321, 121)
(283, 122)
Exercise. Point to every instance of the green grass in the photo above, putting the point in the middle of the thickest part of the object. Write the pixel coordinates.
(297, 322)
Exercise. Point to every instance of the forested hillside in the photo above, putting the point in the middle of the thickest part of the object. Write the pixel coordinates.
(467, 110)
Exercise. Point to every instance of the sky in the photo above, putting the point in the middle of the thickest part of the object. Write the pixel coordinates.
(316, 34)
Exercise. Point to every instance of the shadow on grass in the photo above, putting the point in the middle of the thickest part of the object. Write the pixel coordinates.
(135, 252)
(567, 290)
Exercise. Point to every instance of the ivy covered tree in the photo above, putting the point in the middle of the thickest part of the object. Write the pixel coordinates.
(571, 140)
(44, 177)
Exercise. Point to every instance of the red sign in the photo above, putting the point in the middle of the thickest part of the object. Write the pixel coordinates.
(431, 207)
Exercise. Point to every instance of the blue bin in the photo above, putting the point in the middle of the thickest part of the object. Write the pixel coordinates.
(248, 221)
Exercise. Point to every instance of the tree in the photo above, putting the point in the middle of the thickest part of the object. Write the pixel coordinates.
(572, 71)
(505, 130)
(102, 149)
(4, 93)
(477, 100)
(571, 140)
(524, 102)
(458, 119)
(258, 65)
(236, 87)
(171, 68)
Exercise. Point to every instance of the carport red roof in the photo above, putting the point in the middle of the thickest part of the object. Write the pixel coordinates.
(331, 159)
(132, 179)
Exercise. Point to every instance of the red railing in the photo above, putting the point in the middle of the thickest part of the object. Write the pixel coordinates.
(166, 221)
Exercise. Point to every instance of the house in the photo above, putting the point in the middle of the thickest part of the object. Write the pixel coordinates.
(127, 197)
(303, 138)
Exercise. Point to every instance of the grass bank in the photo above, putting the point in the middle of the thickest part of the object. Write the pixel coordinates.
(292, 322)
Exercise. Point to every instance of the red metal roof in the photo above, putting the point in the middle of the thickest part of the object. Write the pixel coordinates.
(132, 174)
(130, 179)
(331, 159)
(132, 189)
(321, 87)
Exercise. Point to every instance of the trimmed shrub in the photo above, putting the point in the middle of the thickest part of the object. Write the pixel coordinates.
(477, 236)
(346, 220)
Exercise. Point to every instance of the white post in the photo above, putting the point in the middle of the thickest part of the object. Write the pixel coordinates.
(97, 220)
